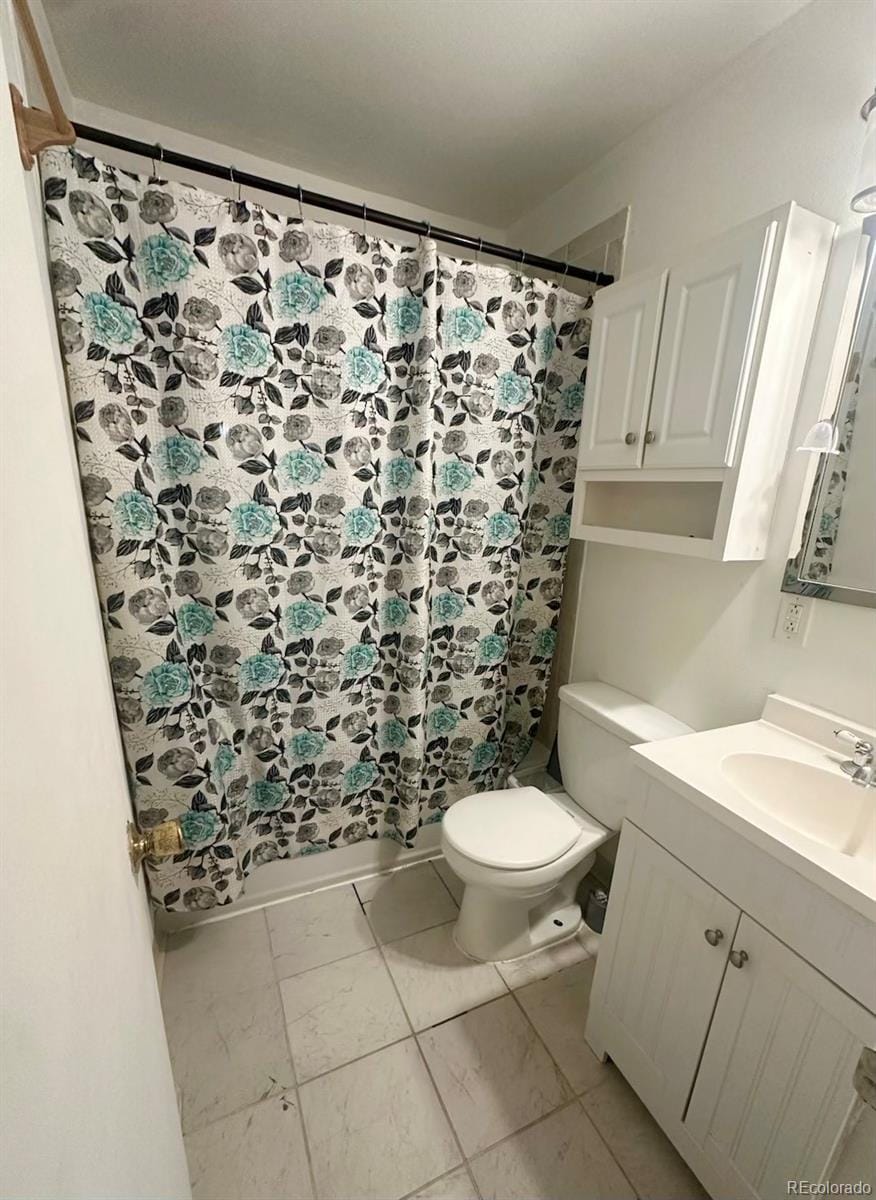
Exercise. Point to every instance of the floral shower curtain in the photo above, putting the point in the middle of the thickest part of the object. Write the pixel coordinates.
(327, 481)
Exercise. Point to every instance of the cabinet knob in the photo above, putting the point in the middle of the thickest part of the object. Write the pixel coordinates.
(739, 958)
(650, 437)
(630, 439)
(713, 936)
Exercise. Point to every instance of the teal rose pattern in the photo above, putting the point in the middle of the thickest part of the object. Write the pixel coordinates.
(298, 294)
(111, 323)
(194, 621)
(260, 671)
(360, 660)
(267, 795)
(245, 349)
(304, 616)
(394, 612)
(405, 315)
(513, 391)
(464, 325)
(198, 828)
(328, 491)
(361, 526)
(503, 527)
(399, 474)
(456, 476)
(302, 467)
(163, 260)
(252, 523)
(393, 734)
(308, 746)
(364, 368)
(135, 514)
(168, 683)
(178, 456)
(359, 777)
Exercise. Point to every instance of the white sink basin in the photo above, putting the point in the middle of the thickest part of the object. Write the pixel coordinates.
(820, 804)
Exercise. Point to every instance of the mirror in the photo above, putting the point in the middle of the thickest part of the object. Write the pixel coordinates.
(837, 555)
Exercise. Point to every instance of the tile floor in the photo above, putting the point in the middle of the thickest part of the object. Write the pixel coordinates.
(339, 1047)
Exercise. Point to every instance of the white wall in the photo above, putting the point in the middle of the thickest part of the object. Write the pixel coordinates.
(779, 123)
(88, 1103)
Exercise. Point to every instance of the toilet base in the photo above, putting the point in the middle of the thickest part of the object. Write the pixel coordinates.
(493, 927)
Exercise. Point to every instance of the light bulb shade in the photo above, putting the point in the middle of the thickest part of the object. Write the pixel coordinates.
(822, 438)
(864, 199)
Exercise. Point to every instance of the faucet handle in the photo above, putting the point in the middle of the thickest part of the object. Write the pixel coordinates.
(859, 744)
(862, 748)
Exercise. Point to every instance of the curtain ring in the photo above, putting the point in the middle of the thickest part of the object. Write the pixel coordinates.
(364, 220)
(233, 181)
(158, 146)
(522, 260)
(300, 207)
(565, 265)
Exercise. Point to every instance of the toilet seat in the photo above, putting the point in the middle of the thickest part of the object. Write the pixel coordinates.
(515, 829)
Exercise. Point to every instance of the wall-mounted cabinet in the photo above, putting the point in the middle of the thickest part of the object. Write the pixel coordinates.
(692, 384)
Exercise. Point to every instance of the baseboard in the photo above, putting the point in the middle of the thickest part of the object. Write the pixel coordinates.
(284, 878)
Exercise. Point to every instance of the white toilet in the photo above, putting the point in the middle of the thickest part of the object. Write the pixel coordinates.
(522, 852)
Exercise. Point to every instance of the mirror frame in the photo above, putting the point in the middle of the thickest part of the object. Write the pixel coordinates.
(792, 582)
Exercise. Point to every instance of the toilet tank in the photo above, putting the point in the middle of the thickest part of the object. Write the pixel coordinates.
(597, 726)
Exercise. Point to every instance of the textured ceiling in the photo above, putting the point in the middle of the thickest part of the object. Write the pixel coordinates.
(478, 108)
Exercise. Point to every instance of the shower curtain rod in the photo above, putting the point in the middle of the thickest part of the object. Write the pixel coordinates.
(332, 204)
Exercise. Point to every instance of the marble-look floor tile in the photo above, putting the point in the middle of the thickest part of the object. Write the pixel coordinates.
(452, 881)
(256, 1154)
(339, 1012)
(375, 1127)
(493, 1073)
(455, 1186)
(311, 930)
(560, 1158)
(518, 972)
(557, 1007)
(217, 959)
(228, 1053)
(436, 980)
(649, 1160)
(406, 902)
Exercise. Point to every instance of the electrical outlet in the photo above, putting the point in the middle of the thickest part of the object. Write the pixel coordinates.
(793, 621)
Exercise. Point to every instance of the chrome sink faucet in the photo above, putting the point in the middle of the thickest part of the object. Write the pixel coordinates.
(860, 766)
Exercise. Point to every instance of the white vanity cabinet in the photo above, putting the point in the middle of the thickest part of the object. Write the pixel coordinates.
(657, 974)
(774, 1089)
(692, 383)
(742, 1050)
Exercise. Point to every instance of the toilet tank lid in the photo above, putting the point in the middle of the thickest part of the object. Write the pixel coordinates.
(624, 715)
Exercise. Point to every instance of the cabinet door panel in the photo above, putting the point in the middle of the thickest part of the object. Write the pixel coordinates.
(774, 1088)
(657, 977)
(620, 371)
(712, 312)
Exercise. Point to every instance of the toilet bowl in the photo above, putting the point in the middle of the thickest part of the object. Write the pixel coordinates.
(521, 852)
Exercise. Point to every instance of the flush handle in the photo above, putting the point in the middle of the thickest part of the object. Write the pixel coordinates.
(713, 936)
(630, 439)
(739, 958)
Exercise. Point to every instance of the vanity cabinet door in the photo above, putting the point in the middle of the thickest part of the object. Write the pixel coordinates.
(620, 370)
(710, 325)
(774, 1089)
(659, 970)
